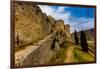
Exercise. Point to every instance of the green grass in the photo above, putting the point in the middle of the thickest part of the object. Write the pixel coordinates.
(91, 43)
(81, 56)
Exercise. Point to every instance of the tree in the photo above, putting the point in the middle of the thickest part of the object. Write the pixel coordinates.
(83, 40)
(76, 38)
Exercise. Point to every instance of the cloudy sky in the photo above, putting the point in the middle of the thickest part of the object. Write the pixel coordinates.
(78, 18)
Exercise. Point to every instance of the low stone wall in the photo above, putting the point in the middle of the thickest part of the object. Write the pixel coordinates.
(41, 55)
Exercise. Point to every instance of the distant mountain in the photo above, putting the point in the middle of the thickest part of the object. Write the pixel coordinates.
(90, 34)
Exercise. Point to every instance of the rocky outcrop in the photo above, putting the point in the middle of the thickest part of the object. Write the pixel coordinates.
(31, 24)
(41, 34)
(67, 30)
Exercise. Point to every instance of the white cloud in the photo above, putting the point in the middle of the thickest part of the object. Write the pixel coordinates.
(61, 9)
(75, 23)
(56, 13)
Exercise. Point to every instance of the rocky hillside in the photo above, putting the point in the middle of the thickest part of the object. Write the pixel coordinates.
(89, 34)
(32, 25)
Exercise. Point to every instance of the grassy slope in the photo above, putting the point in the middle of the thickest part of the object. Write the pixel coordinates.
(81, 56)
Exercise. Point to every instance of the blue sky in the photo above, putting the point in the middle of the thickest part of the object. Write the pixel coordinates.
(79, 18)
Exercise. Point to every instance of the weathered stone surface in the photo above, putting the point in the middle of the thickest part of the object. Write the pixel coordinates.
(31, 24)
(67, 31)
(41, 34)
